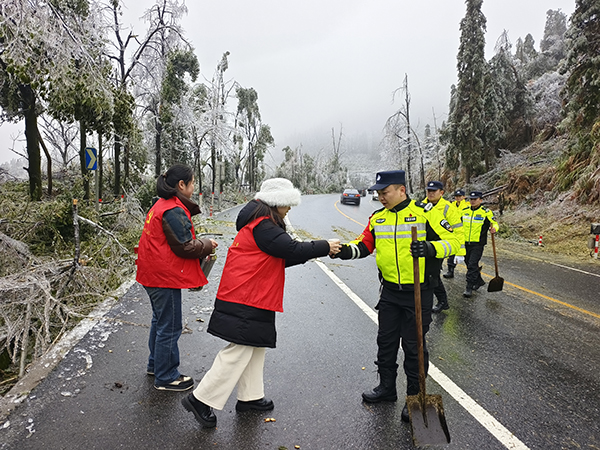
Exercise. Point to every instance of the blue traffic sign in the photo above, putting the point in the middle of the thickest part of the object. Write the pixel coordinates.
(90, 158)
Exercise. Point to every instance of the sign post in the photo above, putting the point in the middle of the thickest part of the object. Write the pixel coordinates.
(91, 163)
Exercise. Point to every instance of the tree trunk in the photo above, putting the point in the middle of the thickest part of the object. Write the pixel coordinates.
(126, 147)
(213, 161)
(100, 166)
(49, 164)
(117, 187)
(158, 149)
(84, 171)
(33, 143)
(408, 131)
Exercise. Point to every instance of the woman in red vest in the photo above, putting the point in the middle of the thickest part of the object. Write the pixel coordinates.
(250, 292)
(169, 260)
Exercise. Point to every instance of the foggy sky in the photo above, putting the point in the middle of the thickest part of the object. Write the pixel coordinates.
(323, 64)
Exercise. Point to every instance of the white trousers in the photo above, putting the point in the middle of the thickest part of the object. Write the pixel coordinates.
(235, 364)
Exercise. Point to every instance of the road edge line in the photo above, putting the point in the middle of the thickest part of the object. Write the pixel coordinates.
(499, 431)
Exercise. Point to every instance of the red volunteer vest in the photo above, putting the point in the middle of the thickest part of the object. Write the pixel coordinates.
(157, 265)
(252, 277)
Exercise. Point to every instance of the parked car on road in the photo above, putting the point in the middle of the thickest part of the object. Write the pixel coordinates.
(375, 196)
(350, 196)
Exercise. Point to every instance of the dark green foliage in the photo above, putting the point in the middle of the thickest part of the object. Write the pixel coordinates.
(464, 135)
(174, 85)
(583, 66)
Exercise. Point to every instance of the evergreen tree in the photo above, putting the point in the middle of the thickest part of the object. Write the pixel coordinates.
(583, 66)
(525, 51)
(552, 46)
(508, 120)
(468, 114)
(582, 92)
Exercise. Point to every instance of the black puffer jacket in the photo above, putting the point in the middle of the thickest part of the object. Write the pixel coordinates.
(247, 325)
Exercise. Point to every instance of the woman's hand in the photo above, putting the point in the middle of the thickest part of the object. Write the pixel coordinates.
(334, 246)
(214, 243)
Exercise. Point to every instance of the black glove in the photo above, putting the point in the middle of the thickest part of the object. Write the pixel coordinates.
(344, 253)
(422, 249)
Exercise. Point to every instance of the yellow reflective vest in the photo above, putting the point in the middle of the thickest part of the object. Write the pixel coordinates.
(454, 218)
(389, 232)
(464, 203)
(477, 223)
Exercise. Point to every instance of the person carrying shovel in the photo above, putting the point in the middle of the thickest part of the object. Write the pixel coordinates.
(389, 232)
(477, 220)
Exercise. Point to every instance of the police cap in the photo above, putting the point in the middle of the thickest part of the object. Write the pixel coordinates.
(384, 179)
(434, 185)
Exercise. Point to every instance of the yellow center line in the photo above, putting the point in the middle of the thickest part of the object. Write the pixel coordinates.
(345, 215)
(576, 308)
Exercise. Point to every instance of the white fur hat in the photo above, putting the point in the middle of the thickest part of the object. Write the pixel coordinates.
(278, 192)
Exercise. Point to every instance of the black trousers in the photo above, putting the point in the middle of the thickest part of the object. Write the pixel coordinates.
(440, 292)
(451, 262)
(396, 313)
(472, 258)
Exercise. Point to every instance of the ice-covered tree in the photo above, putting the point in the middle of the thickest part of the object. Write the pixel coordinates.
(129, 55)
(582, 107)
(508, 104)
(583, 66)
(255, 136)
(174, 114)
(552, 46)
(40, 43)
(546, 94)
(162, 68)
(525, 51)
(467, 119)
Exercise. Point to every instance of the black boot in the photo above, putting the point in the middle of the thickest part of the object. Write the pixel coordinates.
(479, 283)
(386, 391)
(412, 388)
(202, 412)
(404, 415)
(440, 306)
(450, 273)
(468, 292)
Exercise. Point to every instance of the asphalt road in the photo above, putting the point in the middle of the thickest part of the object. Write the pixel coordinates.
(516, 369)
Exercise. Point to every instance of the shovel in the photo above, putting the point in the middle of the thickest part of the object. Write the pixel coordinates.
(426, 412)
(497, 282)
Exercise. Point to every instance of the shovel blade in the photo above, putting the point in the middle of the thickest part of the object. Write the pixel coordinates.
(496, 284)
(429, 428)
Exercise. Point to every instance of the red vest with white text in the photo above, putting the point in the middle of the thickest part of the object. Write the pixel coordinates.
(252, 277)
(157, 265)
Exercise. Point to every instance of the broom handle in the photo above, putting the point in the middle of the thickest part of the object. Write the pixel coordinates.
(419, 320)
(494, 248)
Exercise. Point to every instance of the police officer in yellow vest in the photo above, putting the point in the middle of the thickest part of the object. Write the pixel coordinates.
(460, 203)
(389, 232)
(477, 220)
(435, 192)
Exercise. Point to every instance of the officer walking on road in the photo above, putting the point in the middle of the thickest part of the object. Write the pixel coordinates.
(477, 220)
(435, 192)
(460, 203)
(389, 232)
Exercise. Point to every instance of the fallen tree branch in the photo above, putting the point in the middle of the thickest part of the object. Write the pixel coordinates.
(89, 222)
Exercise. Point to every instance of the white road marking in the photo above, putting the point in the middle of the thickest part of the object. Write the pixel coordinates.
(499, 431)
(506, 438)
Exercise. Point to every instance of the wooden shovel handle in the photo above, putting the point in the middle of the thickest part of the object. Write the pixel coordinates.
(494, 249)
(419, 319)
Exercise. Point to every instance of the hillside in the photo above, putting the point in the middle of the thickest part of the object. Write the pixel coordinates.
(534, 207)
